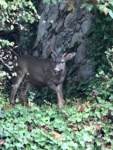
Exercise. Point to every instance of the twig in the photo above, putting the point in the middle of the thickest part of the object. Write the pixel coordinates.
(9, 67)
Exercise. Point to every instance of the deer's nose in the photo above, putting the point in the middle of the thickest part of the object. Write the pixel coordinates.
(56, 70)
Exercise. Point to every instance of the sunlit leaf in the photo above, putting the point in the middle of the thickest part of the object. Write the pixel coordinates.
(111, 13)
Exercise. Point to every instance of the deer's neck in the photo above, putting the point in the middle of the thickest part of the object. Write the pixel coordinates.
(62, 75)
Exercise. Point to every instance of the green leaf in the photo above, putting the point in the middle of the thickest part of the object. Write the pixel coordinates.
(3, 4)
(12, 27)
(19, 145)
(111, 2)
(88, 6)
(111, 13)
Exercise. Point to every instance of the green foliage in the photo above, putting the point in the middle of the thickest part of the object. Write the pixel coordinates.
(103, 6)
(48, 96)
(101, 41)
(102, 29)
(81, 126)
(2, 80)
(17, 12)
(4, 43)
(52, 1)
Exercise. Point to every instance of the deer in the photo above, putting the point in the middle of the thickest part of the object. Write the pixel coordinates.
(31, 70)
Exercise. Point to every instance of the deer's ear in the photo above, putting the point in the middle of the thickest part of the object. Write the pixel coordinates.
(70, 56)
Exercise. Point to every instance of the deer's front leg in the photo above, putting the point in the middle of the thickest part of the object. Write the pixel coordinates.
(58, 90)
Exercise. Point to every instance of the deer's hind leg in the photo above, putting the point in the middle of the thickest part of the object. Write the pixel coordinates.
(24, 90)
(17, 82)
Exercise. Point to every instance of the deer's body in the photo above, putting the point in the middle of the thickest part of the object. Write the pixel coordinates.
(39, 72)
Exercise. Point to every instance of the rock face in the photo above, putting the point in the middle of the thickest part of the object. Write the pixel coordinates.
(65, 30)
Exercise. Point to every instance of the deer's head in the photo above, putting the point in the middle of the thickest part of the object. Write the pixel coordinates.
(60, 60)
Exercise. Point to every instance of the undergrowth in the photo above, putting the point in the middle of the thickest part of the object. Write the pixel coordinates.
(80, 126)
